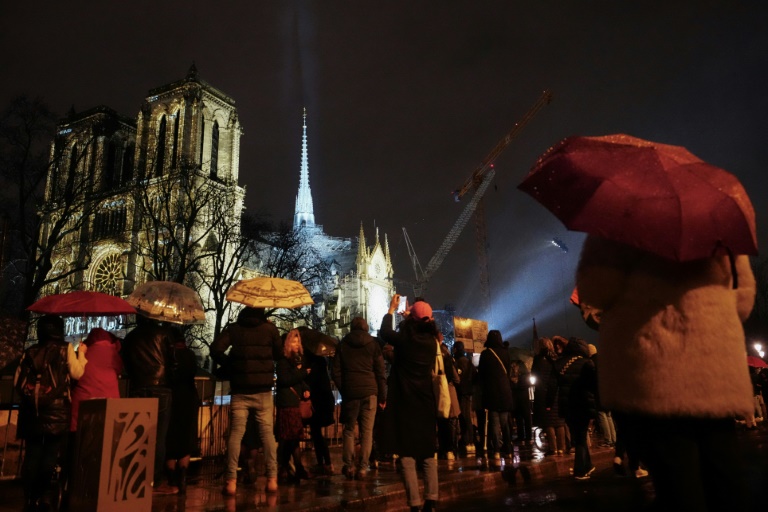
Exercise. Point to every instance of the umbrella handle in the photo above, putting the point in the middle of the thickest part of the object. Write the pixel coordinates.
(732, 261)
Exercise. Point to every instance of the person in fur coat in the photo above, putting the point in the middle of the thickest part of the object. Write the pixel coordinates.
(673, 360)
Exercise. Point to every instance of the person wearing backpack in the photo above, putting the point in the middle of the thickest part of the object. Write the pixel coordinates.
(42, 381)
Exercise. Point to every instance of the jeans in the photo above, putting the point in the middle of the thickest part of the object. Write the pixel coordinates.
(42, 452)
(411, 480)
(239, 408)
(465, 419)
(523, 421)
(352, 411)
(498, 431)
(163, 396)
(607, 426)
(582, 462)
(695, 463)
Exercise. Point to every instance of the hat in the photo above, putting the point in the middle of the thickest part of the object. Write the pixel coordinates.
(99, 334)
(421, 311)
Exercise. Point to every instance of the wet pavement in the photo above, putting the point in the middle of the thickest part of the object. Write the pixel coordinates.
(527, 481)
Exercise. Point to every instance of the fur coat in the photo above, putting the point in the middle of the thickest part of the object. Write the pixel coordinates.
(671, 336)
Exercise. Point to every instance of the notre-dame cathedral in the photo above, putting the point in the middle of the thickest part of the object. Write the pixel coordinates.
(191, 125)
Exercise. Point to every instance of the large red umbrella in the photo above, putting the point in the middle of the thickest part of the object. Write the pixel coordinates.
(82, 303)
(756, 362)
(652, 196)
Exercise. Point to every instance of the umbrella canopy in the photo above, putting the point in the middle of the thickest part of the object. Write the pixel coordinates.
(756, 362)
(269, 292)
(166, 301)
(82, 303)
(656, 197)
(317, 342)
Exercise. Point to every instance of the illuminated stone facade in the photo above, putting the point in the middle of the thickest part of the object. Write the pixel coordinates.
(193, 125)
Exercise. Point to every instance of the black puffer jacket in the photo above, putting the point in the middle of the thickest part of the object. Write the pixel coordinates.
(146, 353)
(358, 368)
(256, 345)
(576, 382)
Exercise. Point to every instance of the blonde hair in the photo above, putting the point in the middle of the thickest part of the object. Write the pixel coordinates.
(288, 352)
(546, 347)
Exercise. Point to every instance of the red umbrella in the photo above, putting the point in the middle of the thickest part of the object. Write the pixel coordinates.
(756, 362)
(652, 196)
(82, 303)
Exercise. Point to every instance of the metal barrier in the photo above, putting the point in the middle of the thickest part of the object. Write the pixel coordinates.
(212, 428)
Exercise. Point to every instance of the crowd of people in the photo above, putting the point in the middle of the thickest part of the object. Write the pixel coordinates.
(388, 401)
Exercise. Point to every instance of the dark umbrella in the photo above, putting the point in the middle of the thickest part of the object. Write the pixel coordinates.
(82, 303)
(656, 197)
(317, 342)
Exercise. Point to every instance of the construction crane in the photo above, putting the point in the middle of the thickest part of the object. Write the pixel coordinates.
(478, 181)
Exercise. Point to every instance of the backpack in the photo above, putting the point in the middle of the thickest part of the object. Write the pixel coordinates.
(43, 376)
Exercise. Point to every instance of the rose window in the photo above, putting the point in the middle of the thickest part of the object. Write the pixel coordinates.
(109, 275)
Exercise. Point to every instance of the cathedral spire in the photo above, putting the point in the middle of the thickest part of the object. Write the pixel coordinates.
(304, 215)
(362, 250)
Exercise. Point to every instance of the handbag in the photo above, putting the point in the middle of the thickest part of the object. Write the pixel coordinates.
(305, 407)
(440, 384)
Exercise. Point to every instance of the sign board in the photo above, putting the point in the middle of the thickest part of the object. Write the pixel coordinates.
(470, 332)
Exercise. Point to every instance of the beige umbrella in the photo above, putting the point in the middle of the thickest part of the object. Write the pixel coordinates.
(269, 292)
(166, 301)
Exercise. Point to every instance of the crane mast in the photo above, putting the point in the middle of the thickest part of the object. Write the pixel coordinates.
(479, 180)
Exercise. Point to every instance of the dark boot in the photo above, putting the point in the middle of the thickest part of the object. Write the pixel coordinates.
(170, 476)
(181, 479)
(429, 506)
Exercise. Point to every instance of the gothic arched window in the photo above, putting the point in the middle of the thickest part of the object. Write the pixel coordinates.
(160, 157)
(175, 139)
(202, 140)
(110, 166)
(215, 150)
(127, 174)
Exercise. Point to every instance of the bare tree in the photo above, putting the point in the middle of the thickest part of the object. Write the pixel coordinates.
(177, 215)
(289, 253)
(44, 221)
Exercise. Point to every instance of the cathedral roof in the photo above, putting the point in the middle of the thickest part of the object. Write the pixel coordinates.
(192, 78)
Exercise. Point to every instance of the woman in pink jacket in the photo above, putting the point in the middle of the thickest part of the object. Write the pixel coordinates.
(100, 379)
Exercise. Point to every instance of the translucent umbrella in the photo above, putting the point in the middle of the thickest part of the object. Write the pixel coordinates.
(166, 301)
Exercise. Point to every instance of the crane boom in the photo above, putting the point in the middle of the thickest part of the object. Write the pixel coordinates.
(477, 175)
(479, 180)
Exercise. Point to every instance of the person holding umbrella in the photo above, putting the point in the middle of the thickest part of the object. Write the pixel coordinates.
(147, 354)
(665, 261)
(255, 346)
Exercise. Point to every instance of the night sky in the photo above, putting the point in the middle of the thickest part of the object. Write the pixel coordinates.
(405, 98)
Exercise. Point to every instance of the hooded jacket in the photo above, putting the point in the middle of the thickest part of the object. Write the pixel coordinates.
(358, 368)
(493, 374)
(671, 339)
